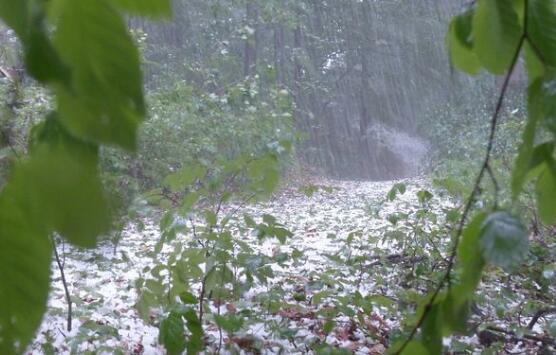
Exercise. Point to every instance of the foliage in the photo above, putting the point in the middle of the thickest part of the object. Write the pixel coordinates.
(189, 126)
(215, 258)
(500, 31)
(99, 102)
(226, 103)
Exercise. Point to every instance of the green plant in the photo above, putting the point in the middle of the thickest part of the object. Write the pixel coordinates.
(492, 34)
(214, 260)
(69, 47)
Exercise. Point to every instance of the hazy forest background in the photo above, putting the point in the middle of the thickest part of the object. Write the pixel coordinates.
(311, 176)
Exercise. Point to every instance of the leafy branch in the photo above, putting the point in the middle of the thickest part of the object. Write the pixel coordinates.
(485, 168)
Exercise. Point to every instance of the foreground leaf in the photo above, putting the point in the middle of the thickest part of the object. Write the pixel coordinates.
(542, 28)
(497, 32)
(150, 8)
(105, 101)
(15, 14)
(432, 330)
(546, 196)
(470, 259)
(461, 45)
(63, 173)
(195, 344)
(25, 268)
(172, 335)
(526, 149)
(504, 240)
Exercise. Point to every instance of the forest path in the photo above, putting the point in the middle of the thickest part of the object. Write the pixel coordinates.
(340, 234)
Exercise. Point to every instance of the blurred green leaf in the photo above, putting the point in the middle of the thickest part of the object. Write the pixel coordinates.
(229, 322)
(424, 196)
(196, 341)
(460, 44)
(470, 259)
(526, 149)
(172, 334)
(432, 330)
(183, 178)
(25, 268)
(105, 101)
(148, 8)
(397, 188)
(496, 33)
(542, 28)
(413, 348)
(16, 15)
(504, 240)
(546, 196)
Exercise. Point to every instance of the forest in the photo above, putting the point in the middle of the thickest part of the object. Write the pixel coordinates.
(319, 177)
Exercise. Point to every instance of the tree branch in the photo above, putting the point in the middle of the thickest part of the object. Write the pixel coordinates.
(475, 191)
(539, 314)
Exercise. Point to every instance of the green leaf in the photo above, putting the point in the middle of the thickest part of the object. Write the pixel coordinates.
(188, 202)
(496, 33)
(470, 260)
(504, 240)
(325, 349)
(218, 277)
(455, 306)
(264, 174)
(155, 287)
(546, 196)
(105, 101)
(62, 172)
(230, 323)
(525, 155)
(166, 221)
(183, 178)
(195, 344)
(432, 330)
(460, 44)
(41, 59)
(413, 348)
(545, 102)
(397, 188)
(453, 186)
(25, 268)
(211, 218)
(456, 312)
(15, 14)
(146, 301)
(541, 29)
(542, 154)
(328, 326)
(188, 298)
(172, 334)
(534, 65)
(148, 8)
(424, 196)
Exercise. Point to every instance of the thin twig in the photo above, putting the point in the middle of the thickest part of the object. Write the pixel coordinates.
(66, 290)
(539, 314)
(544, 340)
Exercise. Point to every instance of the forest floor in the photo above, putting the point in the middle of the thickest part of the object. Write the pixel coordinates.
(344, 287)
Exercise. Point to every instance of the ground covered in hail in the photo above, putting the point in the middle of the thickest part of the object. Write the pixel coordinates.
(346, 280)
